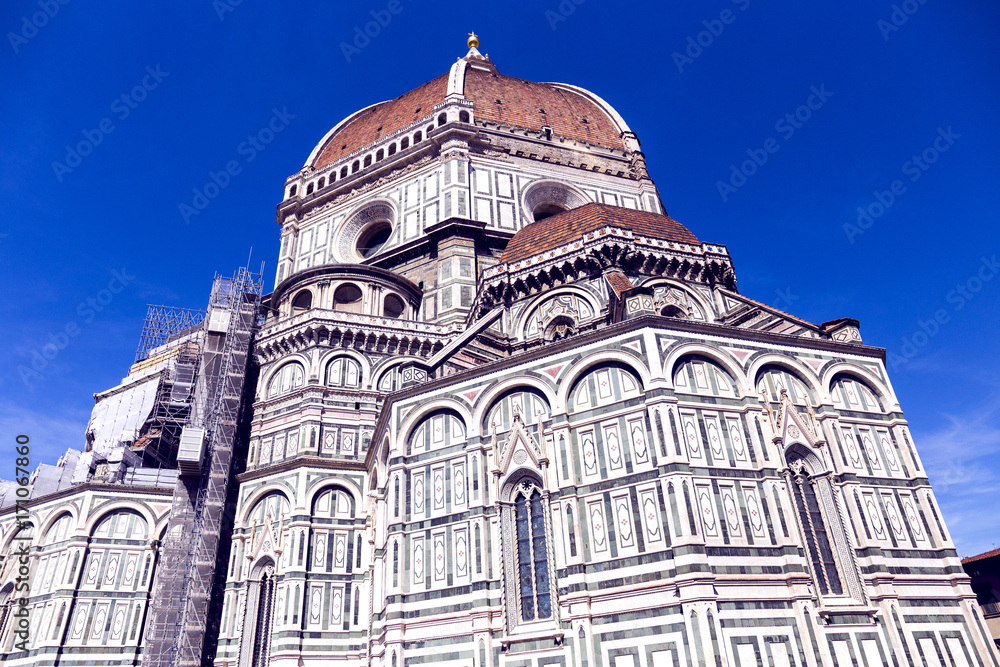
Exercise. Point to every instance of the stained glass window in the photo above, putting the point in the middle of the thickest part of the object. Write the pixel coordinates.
(817, 539)
(532, 556)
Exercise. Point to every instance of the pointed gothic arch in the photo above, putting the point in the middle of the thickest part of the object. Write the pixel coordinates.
(527, 551)
(824, 536)
(255, 641)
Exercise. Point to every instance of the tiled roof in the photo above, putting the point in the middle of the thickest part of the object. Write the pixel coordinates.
(618, 282)
(983, 556)
(571, 225)
(536, 105)
(521, 103)
(782, 313)
(383, 119)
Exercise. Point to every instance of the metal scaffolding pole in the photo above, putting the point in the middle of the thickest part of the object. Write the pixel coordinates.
(180, 609)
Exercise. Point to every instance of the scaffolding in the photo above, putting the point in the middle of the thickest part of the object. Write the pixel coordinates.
(161, 323)
(190, 558)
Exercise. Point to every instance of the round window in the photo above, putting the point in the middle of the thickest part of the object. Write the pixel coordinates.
(373, 238)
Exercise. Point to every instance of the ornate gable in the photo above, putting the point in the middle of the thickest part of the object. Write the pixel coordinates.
(518, 449)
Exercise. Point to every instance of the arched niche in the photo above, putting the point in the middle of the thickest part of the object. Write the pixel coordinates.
(334, 502)
(602, 385)
(570, 306)
(772, 378)
(547, 197)
(529, 403)
(437, 430)
(849, 392)
(287, 378)
(703, 376)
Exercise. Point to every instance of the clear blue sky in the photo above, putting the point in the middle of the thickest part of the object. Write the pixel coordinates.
(887, 95)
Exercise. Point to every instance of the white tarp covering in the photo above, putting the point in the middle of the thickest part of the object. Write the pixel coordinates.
(120, 412)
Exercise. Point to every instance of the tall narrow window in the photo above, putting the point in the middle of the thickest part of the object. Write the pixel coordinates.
(5, 605)
(395, 565)
(814, 529)
(261, 634)
(532, 554)
(395, 501)
(479, 551)
(571, 529)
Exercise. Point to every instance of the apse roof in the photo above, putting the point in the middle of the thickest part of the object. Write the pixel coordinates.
(568, 226)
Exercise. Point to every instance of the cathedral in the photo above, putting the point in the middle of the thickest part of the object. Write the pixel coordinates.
(497, 410)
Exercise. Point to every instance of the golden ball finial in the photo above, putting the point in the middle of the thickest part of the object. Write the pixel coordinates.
(473, 41)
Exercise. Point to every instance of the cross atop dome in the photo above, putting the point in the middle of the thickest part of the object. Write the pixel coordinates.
(474, 56)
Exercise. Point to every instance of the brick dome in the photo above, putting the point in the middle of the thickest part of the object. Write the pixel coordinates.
(571, 112)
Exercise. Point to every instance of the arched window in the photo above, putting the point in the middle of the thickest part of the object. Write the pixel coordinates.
(122, 524)
(818, 519)
(309, 189)
(293, 190)
(530, 557)
(393, 306)
(373, 238)
(302, 302)
(259, 613)
(546, 198)
(59, 530)
(439, 430)
(704, 377)
(463, 116)
(289, 377)
(333, 503)
(529, 404)
(392, 149)
(5, 605)
(851, 394)
(603, 386)
(322, 182)
(347, 298)
(442, 119)
(417, 137)
(547, 210)
(343, 172)
(390, 380)
(380, 155)
(672, 301)
(343, 372)
(544, 317)
(355, 166)
(772, 380)
(368, 160)
(404, 143)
